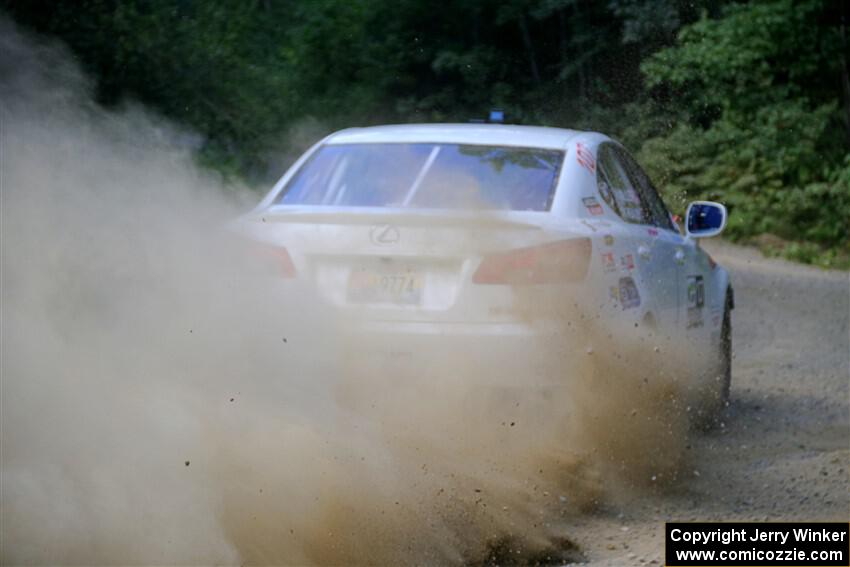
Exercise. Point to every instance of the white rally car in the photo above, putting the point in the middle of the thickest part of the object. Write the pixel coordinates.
(464, 234)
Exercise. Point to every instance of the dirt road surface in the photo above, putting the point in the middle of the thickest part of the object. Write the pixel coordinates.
(782, 452)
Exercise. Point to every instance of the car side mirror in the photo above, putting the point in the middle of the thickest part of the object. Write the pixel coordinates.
(705, 219)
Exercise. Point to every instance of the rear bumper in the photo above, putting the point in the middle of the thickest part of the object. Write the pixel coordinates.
(503, 354)
(423, 329)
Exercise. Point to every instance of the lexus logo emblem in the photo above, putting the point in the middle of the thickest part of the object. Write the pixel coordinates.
(383, 234)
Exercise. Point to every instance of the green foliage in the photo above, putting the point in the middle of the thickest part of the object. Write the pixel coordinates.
(760, 126)
(736, 101)
(210, 65)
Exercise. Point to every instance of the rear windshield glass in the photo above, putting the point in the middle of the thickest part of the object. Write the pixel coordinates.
(426, 176)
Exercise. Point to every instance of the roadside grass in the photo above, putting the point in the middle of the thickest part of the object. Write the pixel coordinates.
(834, 258)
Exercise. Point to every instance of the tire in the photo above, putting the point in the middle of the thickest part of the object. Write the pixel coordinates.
(717, 395)
(726, 354)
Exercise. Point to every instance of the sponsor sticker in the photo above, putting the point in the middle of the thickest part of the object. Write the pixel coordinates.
(696, 301)
(652, 231)
(627, 262)
(585, 158)
(629, 295)
(592, 205)
(608, 263)
(608, 239)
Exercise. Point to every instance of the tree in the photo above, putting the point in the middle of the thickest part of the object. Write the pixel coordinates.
(759, 124)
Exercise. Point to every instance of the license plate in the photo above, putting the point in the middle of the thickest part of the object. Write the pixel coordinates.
(372, 286)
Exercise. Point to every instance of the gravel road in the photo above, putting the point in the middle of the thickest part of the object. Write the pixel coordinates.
(782, 452)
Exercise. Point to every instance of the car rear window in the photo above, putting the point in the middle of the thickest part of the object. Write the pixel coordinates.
(426, 176)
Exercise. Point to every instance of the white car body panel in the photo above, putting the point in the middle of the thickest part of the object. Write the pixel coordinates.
(445, 248)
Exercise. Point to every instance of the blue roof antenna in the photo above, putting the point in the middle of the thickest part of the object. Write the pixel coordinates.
(497, 116)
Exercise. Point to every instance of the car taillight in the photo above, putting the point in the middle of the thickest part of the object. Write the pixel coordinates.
(555, 262)
(280, 258)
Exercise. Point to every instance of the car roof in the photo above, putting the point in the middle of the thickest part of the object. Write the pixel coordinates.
(485, 134)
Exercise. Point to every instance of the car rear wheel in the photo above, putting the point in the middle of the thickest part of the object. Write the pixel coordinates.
(726, 354)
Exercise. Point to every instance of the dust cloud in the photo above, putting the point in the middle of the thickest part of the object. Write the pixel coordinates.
(164, 402)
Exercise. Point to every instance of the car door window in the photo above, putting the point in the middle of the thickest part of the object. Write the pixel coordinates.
(658, 213)
(605, 180)
(617, 189)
